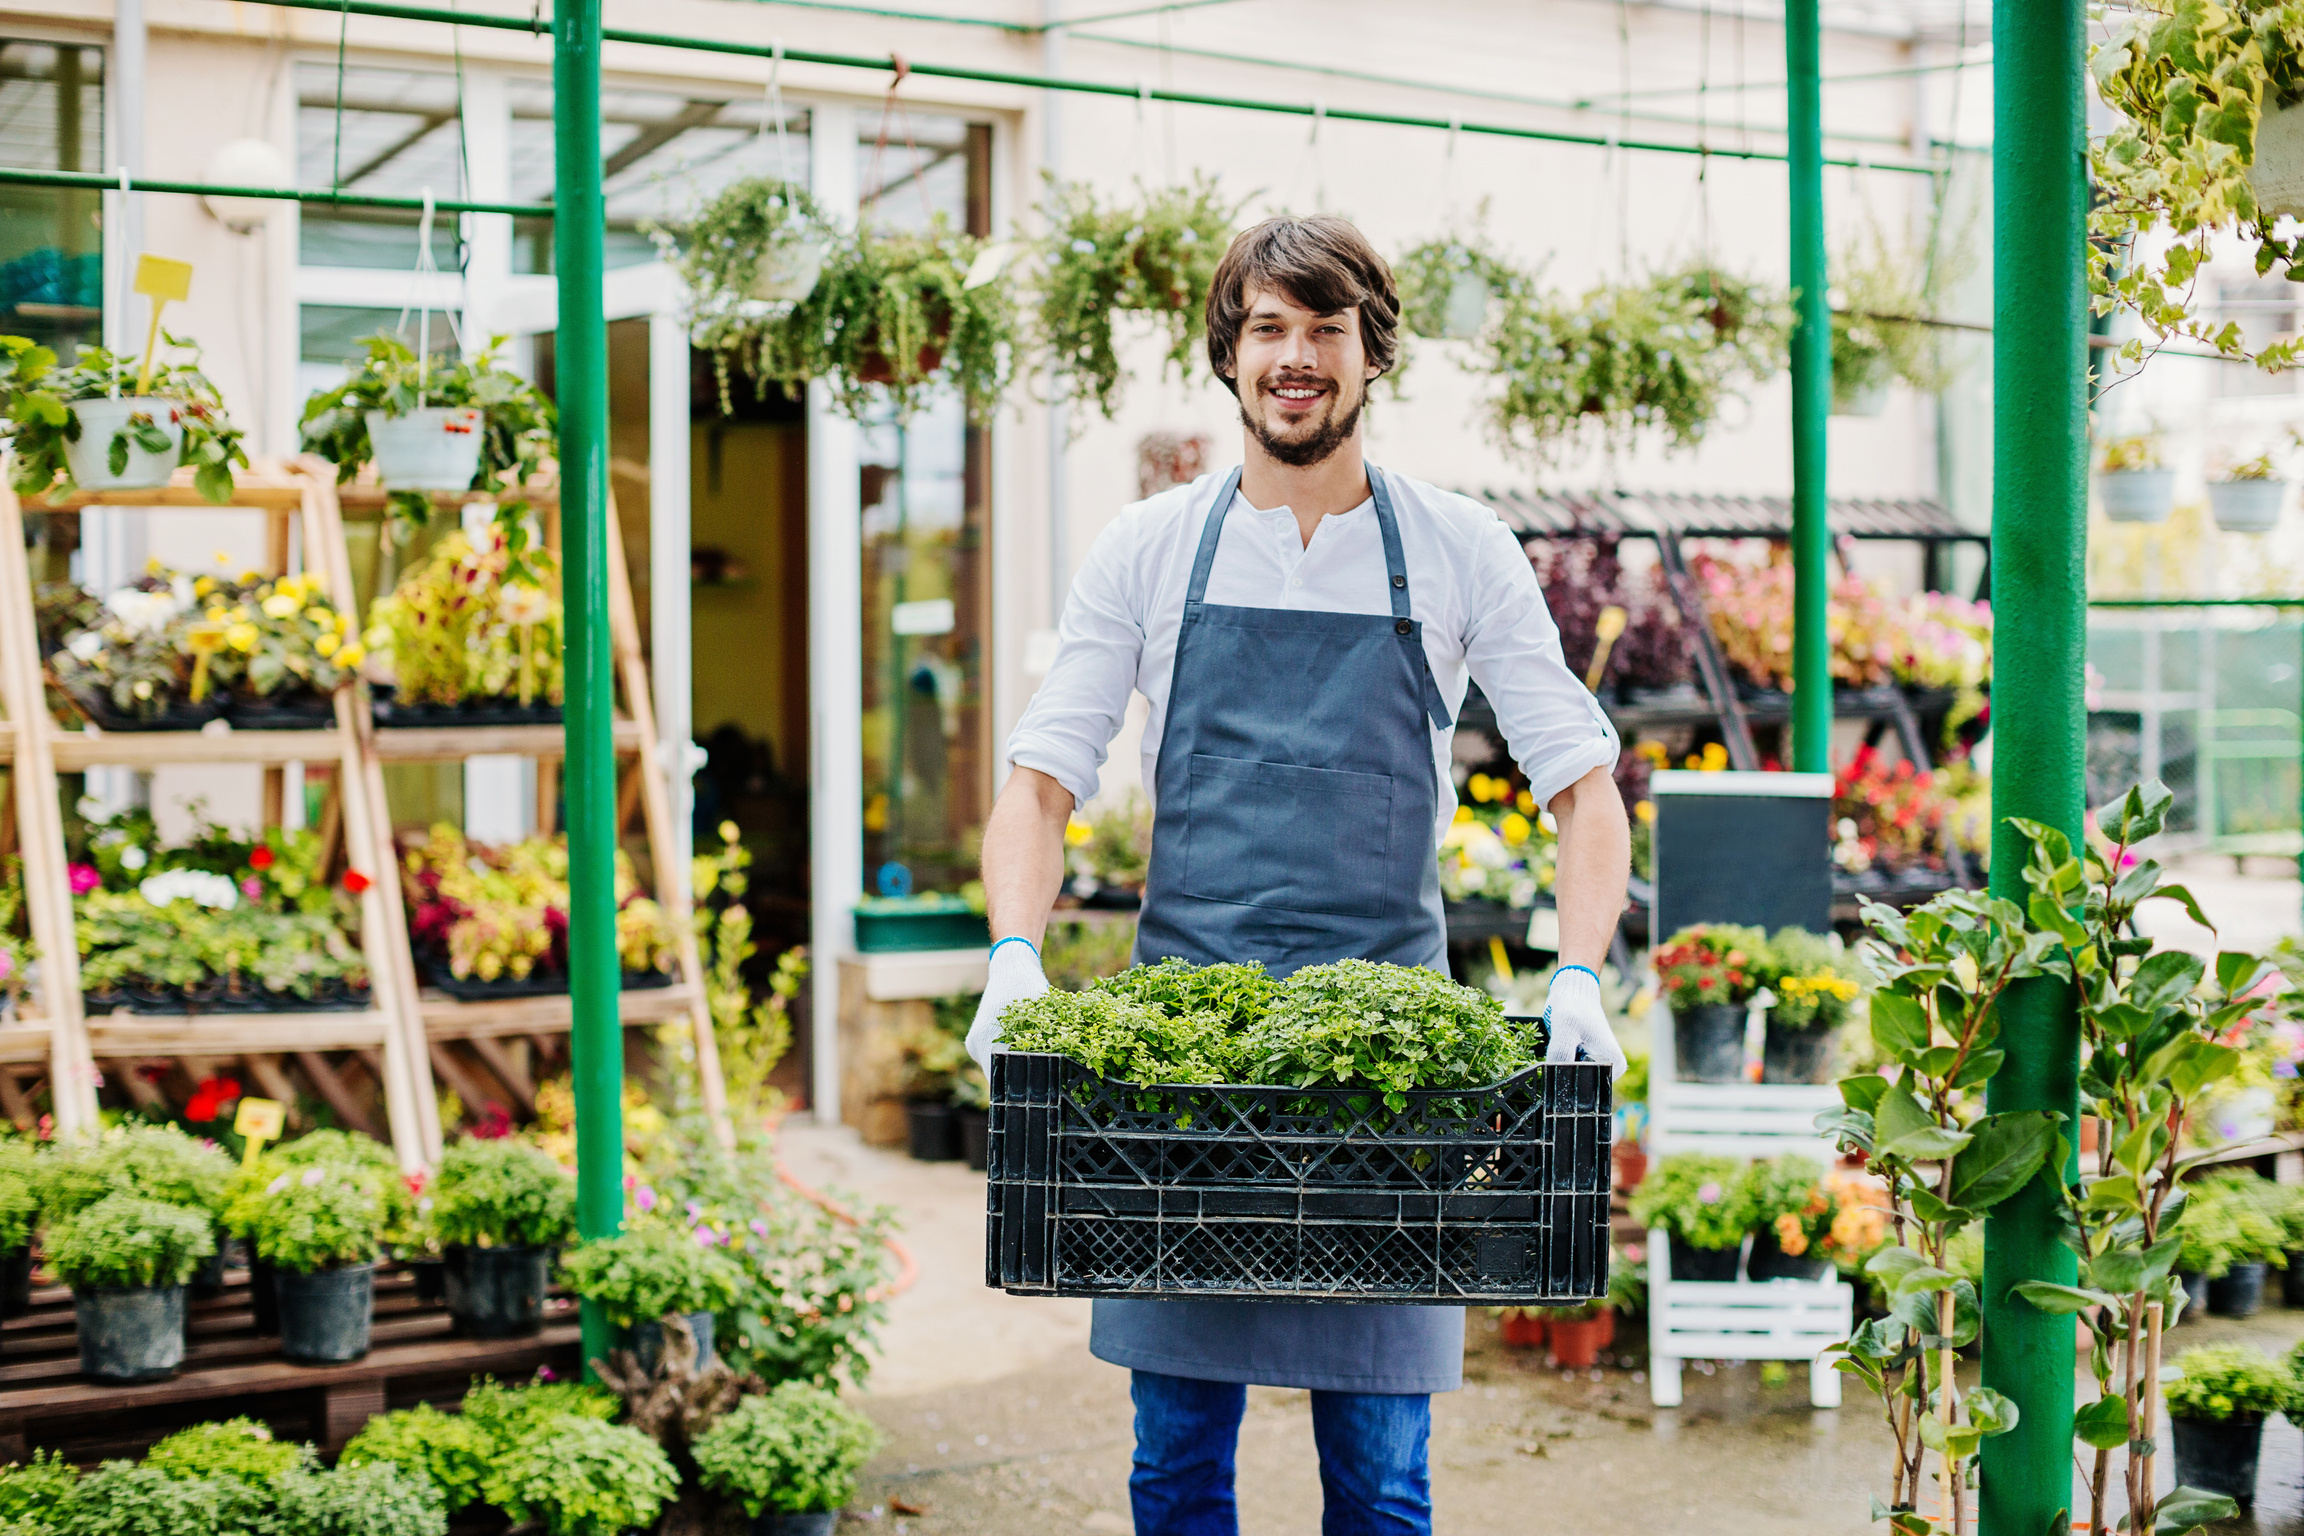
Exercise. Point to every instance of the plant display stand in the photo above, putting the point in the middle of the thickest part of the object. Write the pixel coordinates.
(1743, 1319)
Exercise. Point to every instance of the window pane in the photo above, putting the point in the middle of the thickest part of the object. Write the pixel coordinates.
(51, 245)
(911, 168)
(397, 132)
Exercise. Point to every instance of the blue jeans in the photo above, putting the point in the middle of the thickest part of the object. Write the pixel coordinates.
(1373, 1477)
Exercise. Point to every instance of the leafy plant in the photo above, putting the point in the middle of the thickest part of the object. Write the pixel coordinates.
(492, 912)
(1788, 1197)
(1114, 846)
(235, 1448)
(123, 1242)
(2122, 455)
(511, 1412)
(322, 1216)
(1354, 1023)
(451, 1449)
(1708, 964)
(1439, 279)
(518, 433)
(1154, 255)
(1128, 1041)
(359, 1501)
(1882, 293)
(2229, 1219)
(2151, 1022)
(650, 1269)
(575, 1476)
(756, 219)
(36, 396)
(1701, 1199)
(2223, 1382)
(31, 1490)
(1234, 997)
(752, 1035)
(1811, 980)
(502, 1193)
(795, 1450)
(121, 1498)
(479, 619)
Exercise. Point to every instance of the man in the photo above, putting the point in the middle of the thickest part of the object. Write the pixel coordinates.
(1303, 628)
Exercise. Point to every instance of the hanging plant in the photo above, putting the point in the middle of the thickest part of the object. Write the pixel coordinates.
(757, 249)
(2210, 142)
(1155, 258)
(466, 425)
(1875, 285)
(1447, 287)
(97, 424)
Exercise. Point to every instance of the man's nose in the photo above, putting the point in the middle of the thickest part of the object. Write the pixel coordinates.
(1297, 351)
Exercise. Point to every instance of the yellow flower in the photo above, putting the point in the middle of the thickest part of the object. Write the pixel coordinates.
(1646, 811)
(216, 615)
(351, 656)
(204, 585)
(241, 637)
(250, 578)
(279, 605)
(1524, 803)
(239, 615)
(325, 645)
(1479, 785)
(1463, 815)
(223, 558)
(1715, 757)
(1076, 832)
(324, 617)
(1515, 829)
(378, 637)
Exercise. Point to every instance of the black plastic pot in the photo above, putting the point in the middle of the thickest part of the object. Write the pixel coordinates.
(16, 1282)
(325, 1316)
(935, 1130)
(1794, 1055)
(1769, 1261)
(496, 1293)
(1708, 1044)
(132, 1334)
(2239, 1291)
(2291, 1281)
(2219, 1456)
(816, 1522)
(975, 1137)
(306, 711)
(1691, 1263)
(431, 1276)
(177, 715)
(646, 1340)
(2195, 1295)
(263, 1297)
(207, 1282)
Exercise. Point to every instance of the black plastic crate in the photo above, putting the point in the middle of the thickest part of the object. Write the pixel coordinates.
(1490, 1196)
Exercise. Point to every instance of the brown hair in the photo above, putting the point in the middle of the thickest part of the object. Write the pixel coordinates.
(1324, 264)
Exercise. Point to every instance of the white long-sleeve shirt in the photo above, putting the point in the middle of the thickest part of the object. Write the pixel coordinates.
(1469, 584)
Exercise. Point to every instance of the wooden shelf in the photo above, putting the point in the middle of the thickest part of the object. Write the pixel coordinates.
(76, 750)
(446, 1018)
(223, 1034)
(250, 493)
(454, 743)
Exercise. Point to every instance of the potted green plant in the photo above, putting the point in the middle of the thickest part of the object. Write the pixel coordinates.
(1883, 296)
(1447, 287)
(930, 920)
(1154, 255)
(1703, 1203)
(1814, 985)
(127, 1259)
(295, 647)
(235, 1448)
(1709, 972)
(19, 1214)
(894, 314)
(320, 1228)
(427, 426)
(2247, 497)
(649, 1271)
(1792, 1211)
(2217, 1404)
(1111, 852)
(102, 424)
(2131, 482)
(150, 1162)
(572, 1475)
(472, 636)
(790, 1458)
(2232, 1235)
(934, 1058)
(757, 248)
(500, 1208)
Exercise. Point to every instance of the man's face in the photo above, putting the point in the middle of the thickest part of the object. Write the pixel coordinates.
(1302, 377)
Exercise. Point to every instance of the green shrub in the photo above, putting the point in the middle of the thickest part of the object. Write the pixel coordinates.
(795, 1450)
(1388, 1027)
(30, 1491)
(2233, 1218)
(649, 1270)
(494, 1193)
(1236, 996)
(509, 1412)
(375, 1500)
(1702, 1200)
(240, 1448)
(1114, 1036)
(320, 1217)
(1779, 1187)
(448, 1448)
(153, 1162)
(123, 1499)
(19, 1208)
(123, 1241)
(576, 1476)
(2225, 1381)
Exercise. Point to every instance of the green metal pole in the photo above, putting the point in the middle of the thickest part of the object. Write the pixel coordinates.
(2039, 724)
(580, 371)
(1811, 398)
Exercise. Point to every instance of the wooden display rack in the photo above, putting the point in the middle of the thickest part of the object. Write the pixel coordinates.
(405, 1035)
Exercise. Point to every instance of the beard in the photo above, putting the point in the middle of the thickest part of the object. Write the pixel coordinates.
(1313, 440)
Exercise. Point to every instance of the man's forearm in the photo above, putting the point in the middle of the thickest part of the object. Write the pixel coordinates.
(1594, 864)
(1024, 854)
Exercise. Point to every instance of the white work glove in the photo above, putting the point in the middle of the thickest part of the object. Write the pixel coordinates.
(1015, 975)
(1574, 1016)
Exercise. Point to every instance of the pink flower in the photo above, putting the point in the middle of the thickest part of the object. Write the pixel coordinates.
(1710, 1193)
(546, 1373)
(644, 1199)
(313, 1176)
(84, 878)
(252, 888)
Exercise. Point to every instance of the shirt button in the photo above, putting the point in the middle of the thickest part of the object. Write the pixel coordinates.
(1403, 627)
(1399, 581)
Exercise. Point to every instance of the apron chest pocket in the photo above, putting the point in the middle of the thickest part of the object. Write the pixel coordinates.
(1296, 839)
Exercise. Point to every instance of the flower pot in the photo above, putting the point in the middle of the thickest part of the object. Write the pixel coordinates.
(1870, 400)
(2277, 174)
(263, 1297)
(789, 268)
(130, 1334)
(1708, 1043)
(2239, 1291)
(2291, 1281)
(2195, 1294)
(496, 1293)
(1795, 1055)
(1576, 1343)
(2219, 1456)
(431, 1276)
(975, 1137)
(1521, 1330)
(325, 1316)
(873, 367)
(2246, 506)
(1466, 309)
(436, 448)
(2137, 495)
(935, 1131)
(207, 1282)
(1713, 1264)
(172, 715)
(1769, 1261)
(285, 711)
(16, 1282)
(1630, 1163)
(646, 1341)
(90, 458)
(814, 1522)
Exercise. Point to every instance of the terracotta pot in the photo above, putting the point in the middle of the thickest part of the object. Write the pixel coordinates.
(1522, 1331)
(1576, 1346)
(1631, 1165)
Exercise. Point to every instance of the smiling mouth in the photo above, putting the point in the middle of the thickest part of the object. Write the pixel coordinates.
(1295, 394)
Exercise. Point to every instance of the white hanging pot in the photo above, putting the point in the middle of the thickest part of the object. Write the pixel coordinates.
(2246, 506)
(1871, 400)
(90, 458)
(2137, 495)
(1467, 308)
(435, 448)
(2277, 175)
(789, 268)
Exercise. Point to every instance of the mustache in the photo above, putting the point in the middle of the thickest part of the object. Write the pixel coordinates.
(1284, 380)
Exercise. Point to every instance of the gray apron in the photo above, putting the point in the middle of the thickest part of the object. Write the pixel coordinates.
(1296, 799)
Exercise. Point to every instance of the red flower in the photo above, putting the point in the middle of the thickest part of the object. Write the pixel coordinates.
(211, 1097)
(261, 858)
(356, 882)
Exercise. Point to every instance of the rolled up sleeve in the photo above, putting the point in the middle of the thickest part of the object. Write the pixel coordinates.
(1554, 728)
(1068, 727)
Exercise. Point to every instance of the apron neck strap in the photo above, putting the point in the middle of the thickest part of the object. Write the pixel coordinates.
(1212, 530)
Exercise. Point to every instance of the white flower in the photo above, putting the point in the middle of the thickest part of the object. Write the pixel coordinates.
(313, 1176)
(276, 1185)
(142, 613)
(180, 588)
(214, 891)
(134, 858)
(86, 645)
(522, 602)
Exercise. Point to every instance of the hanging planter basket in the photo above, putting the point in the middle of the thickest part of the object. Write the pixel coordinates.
(2247, 506)
(2137, 495)
(90, 457)
(790, 267)
(1868, 401)
(432, 448)
(2277, 176)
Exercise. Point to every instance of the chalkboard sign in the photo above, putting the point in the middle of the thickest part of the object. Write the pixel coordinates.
(1751, 848)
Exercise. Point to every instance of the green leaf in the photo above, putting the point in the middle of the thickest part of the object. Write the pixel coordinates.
(1892, 1264)
(1899, 1114)
(2060, 1300)
(1992, 1413)
(2006, 1150)
(1899, 1024)
(2142, 812)
(2188, 1509)
(2205, 1063)
(1925, 1278)
(2237, 972)
(1863, 1092)
(2184, 898)
(1927, 1144)
(2102, 1423)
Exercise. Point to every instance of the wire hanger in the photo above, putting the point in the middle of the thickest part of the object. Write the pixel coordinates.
(421, 302)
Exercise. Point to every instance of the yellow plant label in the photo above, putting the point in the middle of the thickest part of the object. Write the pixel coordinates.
(163, 279)
(259, 1121)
